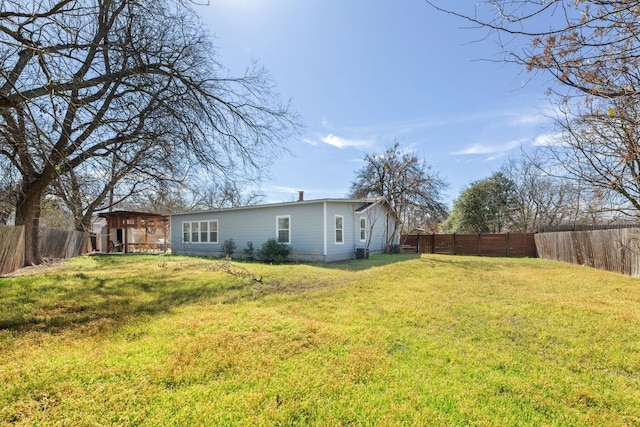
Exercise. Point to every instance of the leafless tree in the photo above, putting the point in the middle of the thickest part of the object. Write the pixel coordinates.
(108, 183)
(599, 147)
(542, 198)
(592, 46)
(224, 193)
(165, 197)
(407, 183)
(82, 81)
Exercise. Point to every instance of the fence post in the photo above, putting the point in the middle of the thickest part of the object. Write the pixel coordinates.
(454, 244)
(433, 243)
(508, 239)
(479, 244)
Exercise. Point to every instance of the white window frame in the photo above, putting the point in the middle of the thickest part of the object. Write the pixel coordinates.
(336, 229)
(211, 223)
(278, 229)
(186, 231)
(195, 232)
(363, 229)
(191, 229)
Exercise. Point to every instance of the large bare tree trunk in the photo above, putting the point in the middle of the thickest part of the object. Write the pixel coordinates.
(28, 215)
(81, 81)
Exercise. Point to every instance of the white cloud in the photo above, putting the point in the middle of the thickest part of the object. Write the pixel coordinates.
(340, 142)
(487, 149)
(527, 120)
(548, 140)
(508, 122)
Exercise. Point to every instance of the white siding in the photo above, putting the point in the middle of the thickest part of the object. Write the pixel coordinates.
(312, 229)
(345, 250)
(378, 225)
(256, 225)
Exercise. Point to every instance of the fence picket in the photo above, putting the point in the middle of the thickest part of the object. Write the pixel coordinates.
(53, 244)
(482, 244)
(616, 250)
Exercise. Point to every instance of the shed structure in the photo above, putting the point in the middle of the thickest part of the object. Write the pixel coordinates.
(130, 231)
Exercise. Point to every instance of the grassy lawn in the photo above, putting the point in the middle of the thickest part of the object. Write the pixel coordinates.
(394, 340)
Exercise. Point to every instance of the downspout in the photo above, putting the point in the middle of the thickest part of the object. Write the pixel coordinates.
(324, 228)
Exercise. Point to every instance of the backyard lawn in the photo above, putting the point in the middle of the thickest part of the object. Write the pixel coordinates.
(393, 340)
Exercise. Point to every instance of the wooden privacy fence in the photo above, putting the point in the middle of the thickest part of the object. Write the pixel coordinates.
(53, 244)
(64, 243)
(482, 244)
(11, 248)
(612, 250)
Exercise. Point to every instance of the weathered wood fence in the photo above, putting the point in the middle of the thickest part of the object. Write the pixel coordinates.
(481, 244)
(616, 250)
(612, 250)
(53, 244)
(11, 248)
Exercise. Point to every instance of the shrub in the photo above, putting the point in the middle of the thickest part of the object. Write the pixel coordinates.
(249, 252)
(228, 247)
(273, 251)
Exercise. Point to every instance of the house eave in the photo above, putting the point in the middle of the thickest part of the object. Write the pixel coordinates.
(271, 205)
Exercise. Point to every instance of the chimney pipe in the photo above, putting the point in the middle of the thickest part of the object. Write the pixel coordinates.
(300, 196)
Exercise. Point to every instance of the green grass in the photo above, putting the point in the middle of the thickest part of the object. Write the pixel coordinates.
(394, 340)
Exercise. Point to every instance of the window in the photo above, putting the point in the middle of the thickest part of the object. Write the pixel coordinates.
(186, 232)
(283, 229)
(194, 232)
(200, 232)
(363, 229)
(339, 229)
(204, 226)
(213, 231)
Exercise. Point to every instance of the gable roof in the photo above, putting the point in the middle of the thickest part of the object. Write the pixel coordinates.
(373, 201)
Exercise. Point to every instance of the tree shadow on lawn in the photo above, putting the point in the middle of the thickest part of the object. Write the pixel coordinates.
(378, 260)
(52, 306)
(99, 299)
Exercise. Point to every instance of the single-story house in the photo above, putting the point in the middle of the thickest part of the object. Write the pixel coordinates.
(322, 230)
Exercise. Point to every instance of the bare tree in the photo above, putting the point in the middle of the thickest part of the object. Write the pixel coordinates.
(106, 183)
(225, 193)
(542, 198)
(192, 192)
(407, 183)
(165, 197)
(8, 190)
(592, 46)
(82, 80)
(599, 147)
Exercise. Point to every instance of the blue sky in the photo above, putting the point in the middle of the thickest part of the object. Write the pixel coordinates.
(362, 73)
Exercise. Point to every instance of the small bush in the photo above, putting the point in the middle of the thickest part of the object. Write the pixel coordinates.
(228, 247)
(249, 252)
(273, 251)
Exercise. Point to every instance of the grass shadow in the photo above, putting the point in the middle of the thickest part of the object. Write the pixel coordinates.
(112, 290)
(378, 260)
(107, 296)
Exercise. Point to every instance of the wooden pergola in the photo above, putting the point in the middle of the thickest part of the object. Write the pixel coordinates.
(152, 226)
